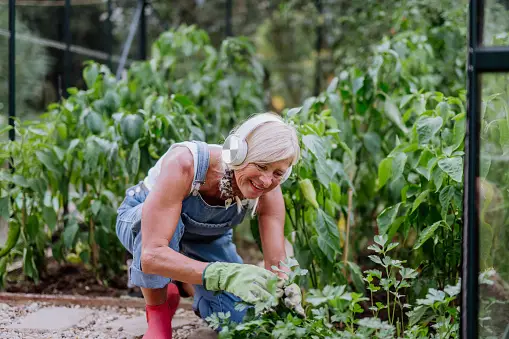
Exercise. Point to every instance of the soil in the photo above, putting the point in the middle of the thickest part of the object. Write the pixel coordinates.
(70, 279)
(75, 279)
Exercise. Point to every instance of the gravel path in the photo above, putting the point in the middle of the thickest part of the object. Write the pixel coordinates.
(101, 322)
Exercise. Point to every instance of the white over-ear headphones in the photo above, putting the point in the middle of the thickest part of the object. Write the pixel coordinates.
(235, 146)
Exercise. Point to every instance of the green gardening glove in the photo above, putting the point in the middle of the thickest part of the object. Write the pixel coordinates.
(248, 282)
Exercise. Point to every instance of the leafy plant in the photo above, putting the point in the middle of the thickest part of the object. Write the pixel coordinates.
(72, 166)
(335, 312)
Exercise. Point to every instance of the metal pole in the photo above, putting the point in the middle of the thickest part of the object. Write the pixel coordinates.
(143, 31)
(470, 259)
(67, 53)
(228, 18)
(110, 36)
(127, 45)
(318, 47)
(12, 67)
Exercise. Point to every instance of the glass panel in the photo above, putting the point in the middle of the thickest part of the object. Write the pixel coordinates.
(494, 207)
(496, 23)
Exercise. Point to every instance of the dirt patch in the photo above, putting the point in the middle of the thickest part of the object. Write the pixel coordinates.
(76, 279)
(71, 280)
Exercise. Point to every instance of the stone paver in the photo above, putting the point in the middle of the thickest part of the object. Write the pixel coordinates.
(52, 318)
(203, 333)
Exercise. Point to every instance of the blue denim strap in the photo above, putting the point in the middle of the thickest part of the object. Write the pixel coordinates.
(202, 166)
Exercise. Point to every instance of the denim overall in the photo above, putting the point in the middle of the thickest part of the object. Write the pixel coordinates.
(203, 233)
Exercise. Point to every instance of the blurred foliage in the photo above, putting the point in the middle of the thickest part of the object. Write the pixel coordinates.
(32, 62)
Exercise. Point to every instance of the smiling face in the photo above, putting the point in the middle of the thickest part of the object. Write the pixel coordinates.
(256, 179)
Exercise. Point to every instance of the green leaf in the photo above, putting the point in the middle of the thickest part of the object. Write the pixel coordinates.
(406, 99)
(416, 314)
(419, 200)
(373, 143)
(392, 112)
(503, 131)
(335, 191)
(293, 111)
(384, 172)
(427, 233)
(334, 102)
(453, 167)
(356, 274)
(20, 181)
(32, 226)
(328, 233)
(326, 248)
(132, 127)
(459, 131)
(375, 259)
(438, 177)
(381, 239)
(134, 159)
(445, 197)
(94, 122)
(90, 74)
(325, 172)
(333, 85)
(4, 208)
(29, 267)
(427, 127)
(386, 218)
(69, 234)
(183, 100)
(316, 145)
(49, 160)
(398, 165)
(50, 217)
(96, 206)
(5, 129)
(357, 84)
(443, 109)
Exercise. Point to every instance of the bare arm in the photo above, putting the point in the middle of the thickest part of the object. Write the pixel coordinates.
(271, 221)
(160, 216)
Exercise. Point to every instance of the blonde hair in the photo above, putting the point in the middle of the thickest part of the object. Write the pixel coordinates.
(270, 142)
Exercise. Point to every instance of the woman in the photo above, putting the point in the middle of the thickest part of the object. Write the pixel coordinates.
(177, 222)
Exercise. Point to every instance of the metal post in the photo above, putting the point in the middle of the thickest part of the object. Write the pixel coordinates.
(109, 33)
(67, 52)
(470, 259)
(12, 67)
(318, 47)
(228, 18)
(143, 31)
(129, 40)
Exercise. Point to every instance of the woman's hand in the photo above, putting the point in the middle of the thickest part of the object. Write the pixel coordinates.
(248, 282)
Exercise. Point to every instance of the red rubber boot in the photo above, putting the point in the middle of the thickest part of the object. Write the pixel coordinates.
(173, 298)
(159, 317)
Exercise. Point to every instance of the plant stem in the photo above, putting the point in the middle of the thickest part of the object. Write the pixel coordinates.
(347, 236)
(402, 318)
(388, 298)
(394, 309)
(93, 245)
(372, 305)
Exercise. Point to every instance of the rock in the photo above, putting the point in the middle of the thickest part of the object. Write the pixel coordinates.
(203, 333)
